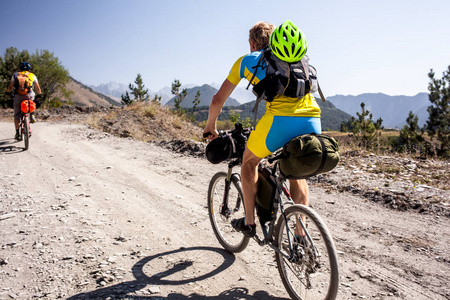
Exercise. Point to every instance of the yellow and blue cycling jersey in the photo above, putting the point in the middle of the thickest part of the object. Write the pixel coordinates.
(285, 117)
(244, 68)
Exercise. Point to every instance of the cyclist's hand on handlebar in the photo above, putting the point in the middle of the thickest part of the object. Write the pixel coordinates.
(210, 134)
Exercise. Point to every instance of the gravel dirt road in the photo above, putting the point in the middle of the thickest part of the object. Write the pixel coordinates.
(86, 215)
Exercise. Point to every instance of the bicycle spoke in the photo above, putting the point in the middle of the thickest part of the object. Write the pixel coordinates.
(221, 216)
(311, 271)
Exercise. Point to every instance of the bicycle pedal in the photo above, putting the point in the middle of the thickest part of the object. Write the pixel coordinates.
(259, 240)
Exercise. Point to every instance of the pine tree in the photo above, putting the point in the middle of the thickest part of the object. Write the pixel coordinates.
(438, 123)
(366, 132)
(196, 101)
(411, 138)
(178, 96)
(126, 99)
(156, 99)
(139, 93)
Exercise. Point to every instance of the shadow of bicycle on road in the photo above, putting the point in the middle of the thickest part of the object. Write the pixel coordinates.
(7, 146)
(179, 260)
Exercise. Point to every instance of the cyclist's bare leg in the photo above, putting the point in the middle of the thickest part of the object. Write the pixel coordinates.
(17, 100)
(300, 193)
(249, 178)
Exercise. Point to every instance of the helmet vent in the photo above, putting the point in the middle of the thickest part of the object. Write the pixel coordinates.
(286, 51)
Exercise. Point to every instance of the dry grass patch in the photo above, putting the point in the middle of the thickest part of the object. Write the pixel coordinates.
(147, 122)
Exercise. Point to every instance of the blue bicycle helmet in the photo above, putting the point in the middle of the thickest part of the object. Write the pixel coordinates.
(24, 66)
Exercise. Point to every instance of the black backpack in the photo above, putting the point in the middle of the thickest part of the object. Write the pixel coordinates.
(294, 80)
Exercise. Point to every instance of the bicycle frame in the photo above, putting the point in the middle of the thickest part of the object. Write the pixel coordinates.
(24, 126)
(22, 119)
(268, 229)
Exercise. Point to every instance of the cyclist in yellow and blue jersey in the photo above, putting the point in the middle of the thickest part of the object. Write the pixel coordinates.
(284, 119)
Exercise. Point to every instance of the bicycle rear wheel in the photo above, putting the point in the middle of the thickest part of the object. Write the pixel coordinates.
(311, 270)
(222, 212)
(26, 132)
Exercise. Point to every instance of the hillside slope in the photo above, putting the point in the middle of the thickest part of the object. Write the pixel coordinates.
(86, 96)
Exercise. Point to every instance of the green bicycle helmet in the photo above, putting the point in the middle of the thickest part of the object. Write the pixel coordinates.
(288, 42)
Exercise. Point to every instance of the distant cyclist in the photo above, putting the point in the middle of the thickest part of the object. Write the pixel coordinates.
(284, 119)
(23, 82)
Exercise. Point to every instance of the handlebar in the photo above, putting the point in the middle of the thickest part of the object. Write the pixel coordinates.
(238, 129)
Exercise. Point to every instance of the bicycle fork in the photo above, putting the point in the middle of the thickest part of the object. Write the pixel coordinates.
(224, 209)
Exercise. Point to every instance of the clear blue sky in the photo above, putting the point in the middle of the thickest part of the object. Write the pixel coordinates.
(357, 46)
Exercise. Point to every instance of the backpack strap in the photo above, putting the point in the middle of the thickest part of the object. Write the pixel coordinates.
(320, 92)
(259, 64)
(305, 65)
(255, 110)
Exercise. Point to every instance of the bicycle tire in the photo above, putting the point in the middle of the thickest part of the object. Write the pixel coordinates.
(231, 240)
(26, 131)
(311, 275)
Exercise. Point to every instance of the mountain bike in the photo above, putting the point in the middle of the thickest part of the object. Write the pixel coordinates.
(304, 249)
(24, 125)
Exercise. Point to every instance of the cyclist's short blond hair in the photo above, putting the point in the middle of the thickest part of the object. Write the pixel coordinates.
(260, 34)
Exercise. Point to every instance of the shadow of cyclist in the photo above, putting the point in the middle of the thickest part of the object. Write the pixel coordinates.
(122, 290)
(7, 146)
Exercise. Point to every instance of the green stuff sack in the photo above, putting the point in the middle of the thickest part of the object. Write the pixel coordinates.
(265, 195)
(308, 155)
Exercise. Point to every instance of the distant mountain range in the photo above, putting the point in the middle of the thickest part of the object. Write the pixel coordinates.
(392, 109)
(112, 88)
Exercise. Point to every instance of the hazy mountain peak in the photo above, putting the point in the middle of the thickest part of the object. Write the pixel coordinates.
(392, 109)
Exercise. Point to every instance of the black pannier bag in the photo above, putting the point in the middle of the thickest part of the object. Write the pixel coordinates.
(229, 144)
(308, 155)
(219, 149)
(265, 195)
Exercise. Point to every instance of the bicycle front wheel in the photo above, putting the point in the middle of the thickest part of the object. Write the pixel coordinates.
(26, 132)
(308, 265)
(222, 209)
